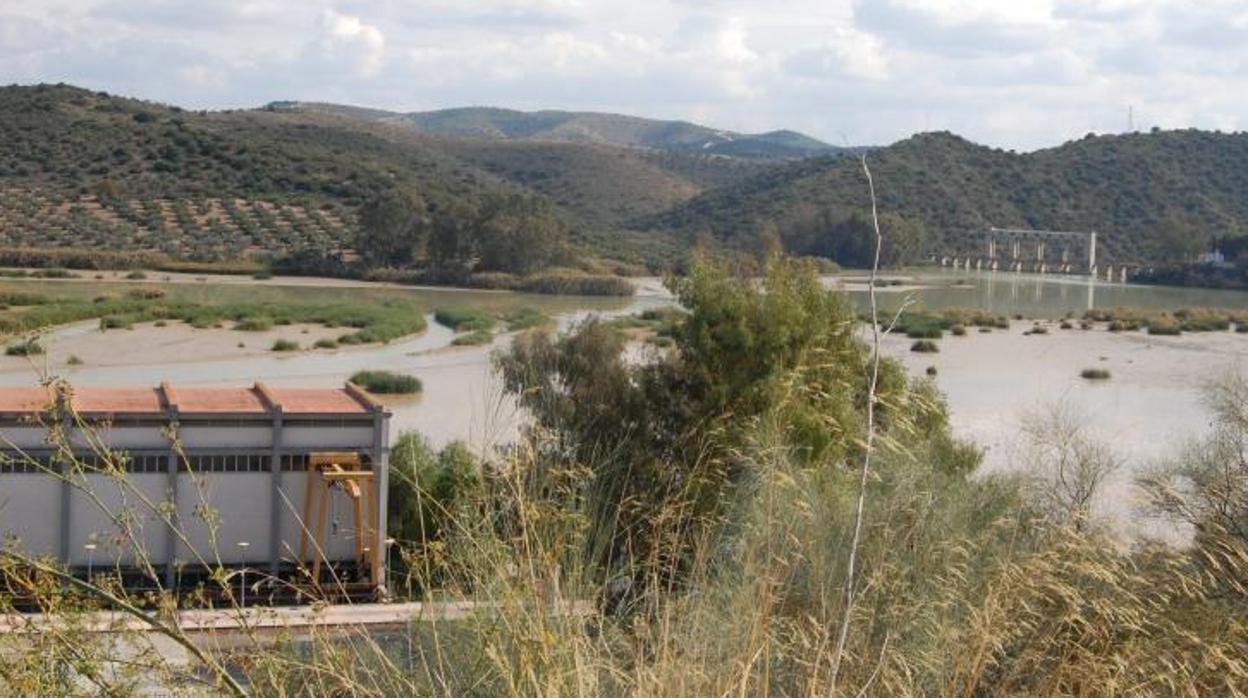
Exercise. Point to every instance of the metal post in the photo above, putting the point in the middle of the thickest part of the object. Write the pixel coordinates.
(243, 545)
(171, 483)
(90, 548)
(275, 499)
(381, 481)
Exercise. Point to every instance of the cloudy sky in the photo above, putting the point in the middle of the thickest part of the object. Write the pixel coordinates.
(1013, 73)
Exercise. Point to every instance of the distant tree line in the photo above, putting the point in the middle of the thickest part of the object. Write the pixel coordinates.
(847, 239)
(509, 233)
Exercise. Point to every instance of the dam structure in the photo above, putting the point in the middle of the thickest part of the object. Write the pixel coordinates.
(1037, 251)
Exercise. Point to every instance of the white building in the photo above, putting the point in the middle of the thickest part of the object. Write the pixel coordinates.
(277, 480)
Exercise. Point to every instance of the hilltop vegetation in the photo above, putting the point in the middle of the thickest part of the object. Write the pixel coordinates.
(553, 126)
(1142, 192)
(89, 170)
(286, 186)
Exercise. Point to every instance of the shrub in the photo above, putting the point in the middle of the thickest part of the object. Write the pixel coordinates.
(1094, 374)
(254, 324)
(29, 347)
(931, 370)
(325, 343)
(1241, 327)
(386, 382)
(1066, 325)
(1205, 323)
(262, 275)
(145, 294)
(115, 322)
(924, 331)
(1036, 329)
(1166, 329)
(957, 331)
(54, 273)
(285, 345)
(576, 284)
(136, 275)
(73, 360)
(925, 346)
(464, 319)
(473, 339)
(526, 318)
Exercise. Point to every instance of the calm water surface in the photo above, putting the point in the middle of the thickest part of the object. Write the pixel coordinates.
(990, 380)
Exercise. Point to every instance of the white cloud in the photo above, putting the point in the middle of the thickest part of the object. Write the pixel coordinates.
(346, 37)
(1018, 73)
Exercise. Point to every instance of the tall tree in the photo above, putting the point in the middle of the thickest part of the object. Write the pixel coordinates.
(452, 239)
(519, 234)
(1179, 239)
(394, 229)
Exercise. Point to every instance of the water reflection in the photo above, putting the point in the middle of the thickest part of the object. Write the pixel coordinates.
(1041, 295)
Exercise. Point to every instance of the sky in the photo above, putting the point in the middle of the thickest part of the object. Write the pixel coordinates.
(1018, 74)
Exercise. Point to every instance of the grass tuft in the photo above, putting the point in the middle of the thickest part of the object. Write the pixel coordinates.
(386, 382)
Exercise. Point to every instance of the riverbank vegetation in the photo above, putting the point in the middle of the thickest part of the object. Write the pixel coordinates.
(683, 526)
(933, 324)
(366, 322)
(387, 382)
(1163, 322)
(464, 319)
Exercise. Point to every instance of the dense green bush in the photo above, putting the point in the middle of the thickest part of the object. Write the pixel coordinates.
(285, 345)
(925, 346)
(474, 338)
(386, 382)
(1164, 329)
(464, 319)
(254, 324)
(29, 347)
(527, 318)
(428, 493)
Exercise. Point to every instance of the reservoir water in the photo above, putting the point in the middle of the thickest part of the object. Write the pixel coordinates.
(1150, 406)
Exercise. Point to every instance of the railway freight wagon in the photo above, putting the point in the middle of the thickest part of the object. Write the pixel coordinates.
(286, 483)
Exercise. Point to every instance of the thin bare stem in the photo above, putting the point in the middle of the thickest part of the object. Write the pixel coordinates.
(865, 472)
(169, 631)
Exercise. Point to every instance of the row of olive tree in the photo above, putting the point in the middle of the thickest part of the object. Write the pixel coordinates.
(504, 233)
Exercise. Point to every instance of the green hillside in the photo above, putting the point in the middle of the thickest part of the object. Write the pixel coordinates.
(91, 171)
(551, 126)
(1126, 187)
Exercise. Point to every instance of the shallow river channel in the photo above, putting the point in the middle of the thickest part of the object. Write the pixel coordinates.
(992, 381)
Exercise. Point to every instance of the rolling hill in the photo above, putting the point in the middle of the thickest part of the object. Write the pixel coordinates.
(1122, 186)
(81, 168)
(87, 170)
(493, 124)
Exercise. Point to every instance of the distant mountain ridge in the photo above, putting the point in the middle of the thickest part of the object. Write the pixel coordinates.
(496, 124)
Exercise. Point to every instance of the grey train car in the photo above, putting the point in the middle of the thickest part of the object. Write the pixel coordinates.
(290, 483)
